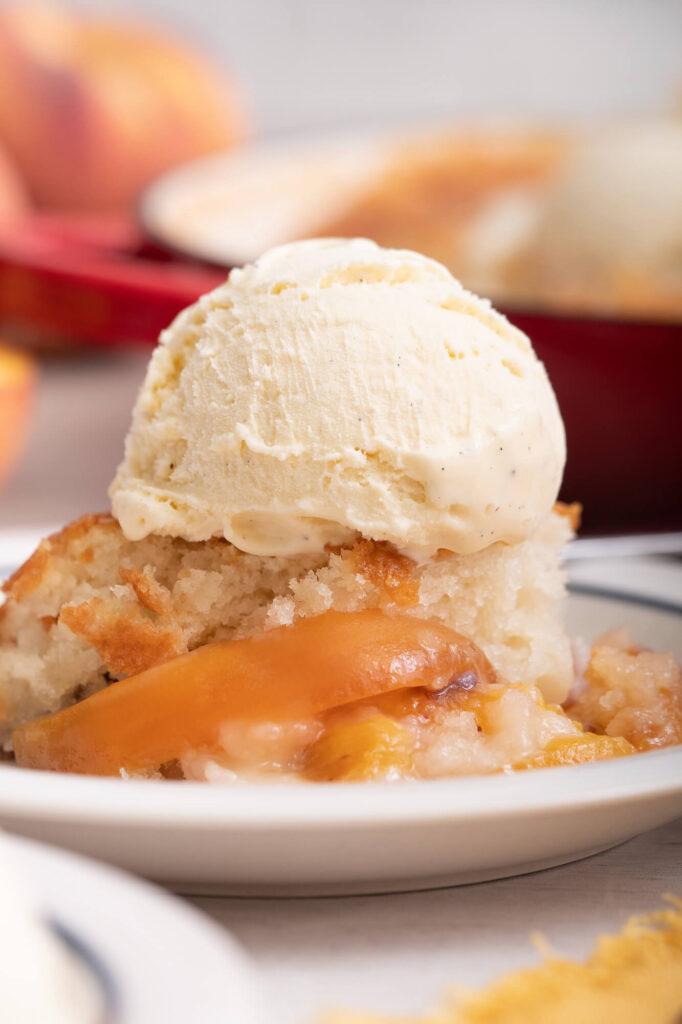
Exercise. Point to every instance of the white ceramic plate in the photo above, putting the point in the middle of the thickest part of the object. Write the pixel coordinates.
(296, 839)
(161, 962)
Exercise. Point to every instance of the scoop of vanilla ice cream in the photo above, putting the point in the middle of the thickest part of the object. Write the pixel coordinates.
(41, 982)
(335, 387)
(617, 207)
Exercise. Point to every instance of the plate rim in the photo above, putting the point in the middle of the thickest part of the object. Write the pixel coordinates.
(86, 799)
(610, 593)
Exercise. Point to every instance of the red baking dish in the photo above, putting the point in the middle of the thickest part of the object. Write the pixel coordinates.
(619, 387)
(82, 281)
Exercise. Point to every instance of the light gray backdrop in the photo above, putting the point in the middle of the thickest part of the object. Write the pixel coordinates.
(308, 63)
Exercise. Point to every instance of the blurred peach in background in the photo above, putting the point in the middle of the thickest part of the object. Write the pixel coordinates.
(17, 380)
(94, 107)
(14, 200)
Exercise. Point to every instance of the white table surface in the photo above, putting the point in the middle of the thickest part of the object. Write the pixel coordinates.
(395, 954)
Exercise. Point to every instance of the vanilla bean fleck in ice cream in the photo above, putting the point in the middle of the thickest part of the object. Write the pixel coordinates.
(336, 387)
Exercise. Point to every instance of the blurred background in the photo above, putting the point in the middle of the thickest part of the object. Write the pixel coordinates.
(534, 147)
(306, 64)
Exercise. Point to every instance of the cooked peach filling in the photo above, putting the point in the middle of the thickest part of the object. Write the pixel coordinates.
(414, 733)
(297, 671)
(353, 696)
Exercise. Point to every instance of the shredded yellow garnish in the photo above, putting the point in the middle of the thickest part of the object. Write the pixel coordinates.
(631, 978)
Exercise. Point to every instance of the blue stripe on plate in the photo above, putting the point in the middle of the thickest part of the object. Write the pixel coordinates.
(93, 962)
(644, 601)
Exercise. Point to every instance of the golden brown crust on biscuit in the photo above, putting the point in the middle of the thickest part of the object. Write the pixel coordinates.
(28, 576)
(572, 512)
(390, 572)
(151, 594)
(127, 640)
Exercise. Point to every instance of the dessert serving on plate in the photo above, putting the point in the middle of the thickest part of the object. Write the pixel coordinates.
(333, 554)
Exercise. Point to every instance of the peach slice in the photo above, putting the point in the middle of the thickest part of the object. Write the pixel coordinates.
(17, 377)
(92, 108)
(292, 672)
